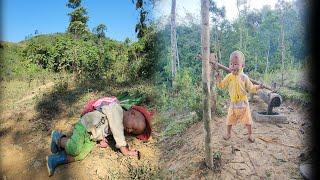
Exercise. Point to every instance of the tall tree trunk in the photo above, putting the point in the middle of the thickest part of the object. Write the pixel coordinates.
(219, 47)
(267, 65)
(219, 57)
(205, 40)
(240, 28)
(216, 40)
(173, 39)
(245, 41)
(178, 60)
(101, 54)
(282, 48)
(292, 60)
(256, 63)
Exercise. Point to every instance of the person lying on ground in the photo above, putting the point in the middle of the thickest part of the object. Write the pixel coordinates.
(93, 127)
(238, 85)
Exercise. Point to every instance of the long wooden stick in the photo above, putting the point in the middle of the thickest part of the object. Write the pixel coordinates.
(205, 42)
(220, 66)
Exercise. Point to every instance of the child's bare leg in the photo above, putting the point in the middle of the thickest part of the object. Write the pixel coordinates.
(250, 138)
(62, 143)
(70, 159)
(228, 135)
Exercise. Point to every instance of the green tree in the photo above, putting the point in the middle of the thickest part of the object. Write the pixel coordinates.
(218, 15)
(99, 32)
(174, 48)
(144, 7)
(73, 4)
(78, 19)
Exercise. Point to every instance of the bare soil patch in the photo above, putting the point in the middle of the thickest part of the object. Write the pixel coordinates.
(274, 154)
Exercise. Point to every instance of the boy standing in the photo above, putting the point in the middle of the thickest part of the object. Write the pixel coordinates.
(238, 84)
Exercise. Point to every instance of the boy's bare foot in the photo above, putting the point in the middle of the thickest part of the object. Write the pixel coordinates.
(226, 137)
(251, 139)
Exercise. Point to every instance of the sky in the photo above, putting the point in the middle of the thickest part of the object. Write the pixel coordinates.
(163, 7)
(20, 18)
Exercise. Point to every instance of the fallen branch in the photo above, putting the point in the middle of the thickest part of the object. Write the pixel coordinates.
(242, 162)
(278, 159)
(276, 142)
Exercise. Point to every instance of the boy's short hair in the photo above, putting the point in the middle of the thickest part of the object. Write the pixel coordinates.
(239, 54)
(148, 118)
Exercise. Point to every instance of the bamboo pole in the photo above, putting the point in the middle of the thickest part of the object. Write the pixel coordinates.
(173, 40)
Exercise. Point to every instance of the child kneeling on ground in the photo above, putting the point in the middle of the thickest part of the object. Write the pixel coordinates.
(238, 84)
(95, 126)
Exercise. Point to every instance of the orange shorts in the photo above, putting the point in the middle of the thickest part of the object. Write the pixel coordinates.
(239, 114)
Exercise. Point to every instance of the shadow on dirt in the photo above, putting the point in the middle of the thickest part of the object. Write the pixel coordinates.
(51, 108)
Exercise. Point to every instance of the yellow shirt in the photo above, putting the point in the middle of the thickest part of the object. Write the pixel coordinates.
(237, 85)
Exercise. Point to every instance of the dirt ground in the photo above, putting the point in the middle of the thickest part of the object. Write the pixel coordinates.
(275, 154)
(25, 139)
(25, 143)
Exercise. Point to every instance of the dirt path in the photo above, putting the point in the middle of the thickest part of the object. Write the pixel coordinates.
(241, 159)
(24, 149)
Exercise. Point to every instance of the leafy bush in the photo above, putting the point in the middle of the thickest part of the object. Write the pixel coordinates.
(184, 96)
(119, 62)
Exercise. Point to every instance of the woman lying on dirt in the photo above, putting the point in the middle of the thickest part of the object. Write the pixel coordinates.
(107, 118)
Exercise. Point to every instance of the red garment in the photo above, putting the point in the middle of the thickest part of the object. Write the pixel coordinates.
(148, 117)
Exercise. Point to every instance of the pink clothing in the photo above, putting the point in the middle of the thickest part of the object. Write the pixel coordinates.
(95, 104)
(105, 101)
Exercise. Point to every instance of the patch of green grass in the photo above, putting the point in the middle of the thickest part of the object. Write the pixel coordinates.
(144, 171)
(177, 127)
(291, 86)
(295, 95)
(268, 174)
(217, 160)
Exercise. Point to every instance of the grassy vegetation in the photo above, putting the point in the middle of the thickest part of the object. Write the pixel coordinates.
(144, 172)
(178, 126)
(291, 90)
(301, 97)
(180, 105)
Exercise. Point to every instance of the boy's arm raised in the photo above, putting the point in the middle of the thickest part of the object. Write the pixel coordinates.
(222, 84)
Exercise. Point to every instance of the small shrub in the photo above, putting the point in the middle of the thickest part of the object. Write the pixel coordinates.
(144, 171)
(217, 161)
